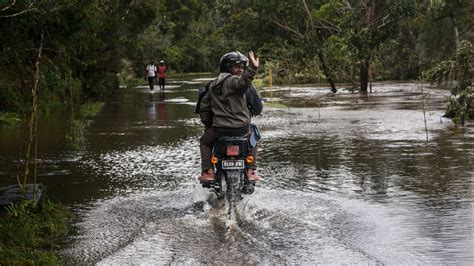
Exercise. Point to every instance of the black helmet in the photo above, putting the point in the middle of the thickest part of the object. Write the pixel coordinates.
(230, 59)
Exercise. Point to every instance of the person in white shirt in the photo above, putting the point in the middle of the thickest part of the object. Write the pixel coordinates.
(150, 74)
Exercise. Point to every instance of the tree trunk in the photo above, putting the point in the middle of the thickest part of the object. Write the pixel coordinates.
(456, 31)
(364, 75)
(318, 51)
(326, 71)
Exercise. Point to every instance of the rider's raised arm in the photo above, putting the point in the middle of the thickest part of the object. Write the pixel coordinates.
(240, 85)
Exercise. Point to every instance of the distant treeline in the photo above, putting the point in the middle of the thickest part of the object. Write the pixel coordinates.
(90, 46)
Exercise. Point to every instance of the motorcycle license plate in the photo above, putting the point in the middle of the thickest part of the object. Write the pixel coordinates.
(233, 164)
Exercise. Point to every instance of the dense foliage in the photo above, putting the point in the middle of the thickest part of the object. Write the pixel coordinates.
(457, 75)
(83, 44)
(90, 45)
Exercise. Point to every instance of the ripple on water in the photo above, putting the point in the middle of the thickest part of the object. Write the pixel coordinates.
(274, 226)
(150, 167)
(342, 185)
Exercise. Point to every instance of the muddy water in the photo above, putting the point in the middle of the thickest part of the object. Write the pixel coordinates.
(349, 179)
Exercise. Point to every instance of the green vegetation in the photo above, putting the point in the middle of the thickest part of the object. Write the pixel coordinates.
(82, 48)
(79, 122)
(457, 75)
(90, 109)
(9, 118)
(89, 47)
(29, 235)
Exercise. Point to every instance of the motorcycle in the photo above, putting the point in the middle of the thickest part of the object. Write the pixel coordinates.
(230, 159)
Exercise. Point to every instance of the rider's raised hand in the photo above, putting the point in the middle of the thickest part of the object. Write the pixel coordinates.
(254, 62)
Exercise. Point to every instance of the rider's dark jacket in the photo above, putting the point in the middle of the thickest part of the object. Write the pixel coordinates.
(230, 101)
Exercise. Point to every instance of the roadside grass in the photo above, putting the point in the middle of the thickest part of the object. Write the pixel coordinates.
(10, 119)
(30, 235)
(79, 122)
(90, 109)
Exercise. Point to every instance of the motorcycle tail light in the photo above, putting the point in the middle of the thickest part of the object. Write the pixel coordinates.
(249, 159)
(232, 150)
(214, 159)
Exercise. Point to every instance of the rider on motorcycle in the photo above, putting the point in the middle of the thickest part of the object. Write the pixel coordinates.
(225, 112)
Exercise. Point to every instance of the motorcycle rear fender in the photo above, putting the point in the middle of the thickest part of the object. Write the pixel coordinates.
(219, 148)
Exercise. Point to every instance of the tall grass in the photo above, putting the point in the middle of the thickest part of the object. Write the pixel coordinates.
(30, 234)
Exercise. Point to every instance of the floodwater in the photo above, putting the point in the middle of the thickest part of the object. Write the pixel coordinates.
(348, 179)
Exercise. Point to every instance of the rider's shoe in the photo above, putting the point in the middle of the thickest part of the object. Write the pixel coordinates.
(207, 176)
(252, 176)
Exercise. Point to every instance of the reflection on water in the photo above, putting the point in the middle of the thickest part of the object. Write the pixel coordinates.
(157, 107)
(348, 179)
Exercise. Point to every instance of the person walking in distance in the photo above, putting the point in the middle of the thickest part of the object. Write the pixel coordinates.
(150, 74)
(162, 74)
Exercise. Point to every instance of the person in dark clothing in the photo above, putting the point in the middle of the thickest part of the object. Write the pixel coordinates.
(225, 111)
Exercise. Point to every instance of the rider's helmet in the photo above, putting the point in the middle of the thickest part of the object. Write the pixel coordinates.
(230, 59)
(162, 61)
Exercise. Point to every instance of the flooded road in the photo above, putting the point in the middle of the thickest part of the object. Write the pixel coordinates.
(348, 179)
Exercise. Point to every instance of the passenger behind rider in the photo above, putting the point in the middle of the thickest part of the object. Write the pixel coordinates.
(227, 108)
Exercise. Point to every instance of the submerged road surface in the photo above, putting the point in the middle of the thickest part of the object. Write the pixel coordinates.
(348, 179)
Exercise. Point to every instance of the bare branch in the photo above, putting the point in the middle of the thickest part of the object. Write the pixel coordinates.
(28, 9)
(385, 21)
(347, 4)
(128, 10)
(364, 3)
(309, 14)
(33, 116)
(324, 24)
(9, 6)
(19, 13)
(328, 28)
(288, 28)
